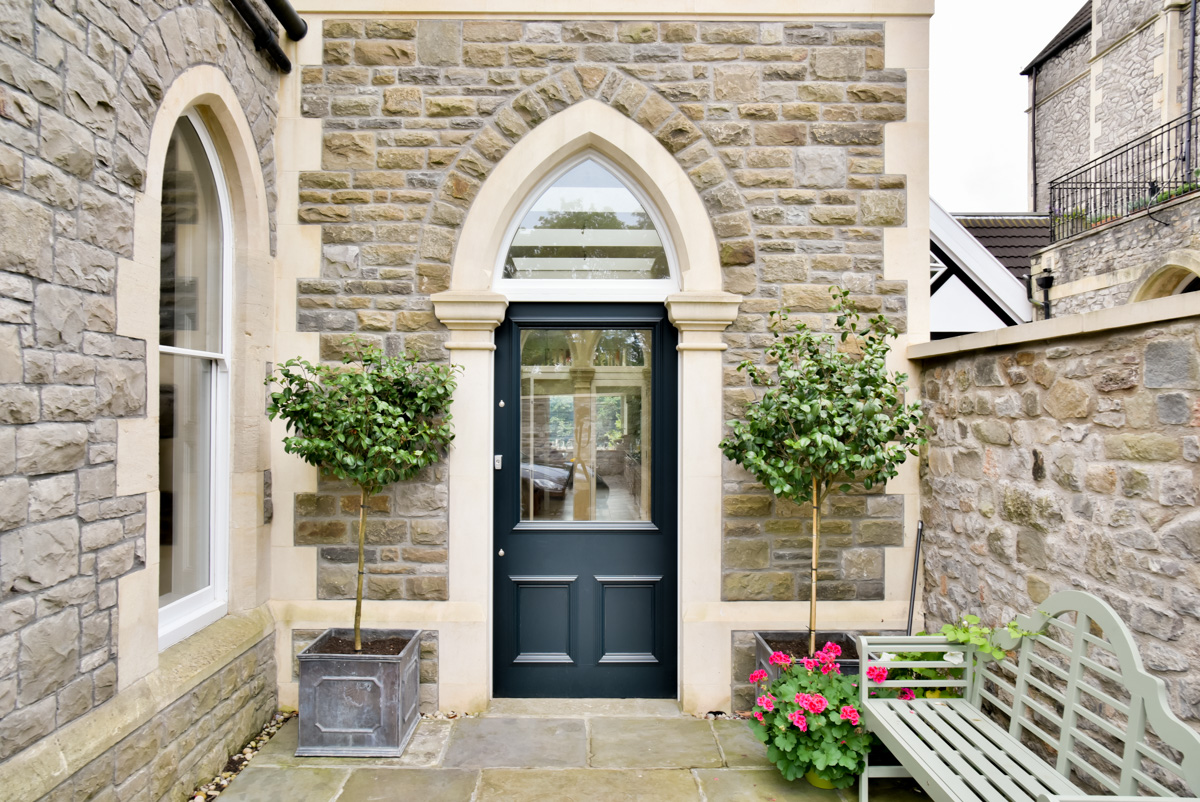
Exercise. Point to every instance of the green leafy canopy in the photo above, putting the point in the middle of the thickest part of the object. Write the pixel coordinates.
(373, 420)
(831, 411)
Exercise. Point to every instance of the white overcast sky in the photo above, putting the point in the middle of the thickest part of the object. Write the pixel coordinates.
(978, 139)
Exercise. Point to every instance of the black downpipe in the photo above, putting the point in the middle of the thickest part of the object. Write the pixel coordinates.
(1033, 141)
(295, 26)
(1045, 281)
(264, 37)
(912, 593)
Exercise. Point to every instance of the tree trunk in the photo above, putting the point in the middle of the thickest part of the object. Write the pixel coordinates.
(812, 587)
(362, 540)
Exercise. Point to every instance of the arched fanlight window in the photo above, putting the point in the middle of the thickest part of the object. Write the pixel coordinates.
(587, 223)
(193, 359)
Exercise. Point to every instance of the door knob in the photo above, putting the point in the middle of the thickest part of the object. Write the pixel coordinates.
(501, 552)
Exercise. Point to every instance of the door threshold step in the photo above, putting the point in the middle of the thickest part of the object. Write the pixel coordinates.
(581, 708)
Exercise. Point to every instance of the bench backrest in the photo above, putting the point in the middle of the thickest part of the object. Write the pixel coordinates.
(1078, 694)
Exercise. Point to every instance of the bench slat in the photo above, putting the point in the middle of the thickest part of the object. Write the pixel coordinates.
(986, 758)
(1081, 765)
(1151, 783)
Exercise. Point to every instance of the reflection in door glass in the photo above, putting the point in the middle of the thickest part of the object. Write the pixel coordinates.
(585, 424)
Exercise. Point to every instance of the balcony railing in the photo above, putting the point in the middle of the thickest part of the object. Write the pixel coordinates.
(1152, 169)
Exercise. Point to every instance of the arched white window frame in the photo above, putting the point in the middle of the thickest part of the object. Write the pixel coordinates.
(587, 289)
(192, 613)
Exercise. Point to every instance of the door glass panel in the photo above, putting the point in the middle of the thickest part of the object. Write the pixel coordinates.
(587, 225)
(585, 424)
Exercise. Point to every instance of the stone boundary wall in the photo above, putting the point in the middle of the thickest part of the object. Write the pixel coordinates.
(189, 742)
(1071, 463)
(780, 127)
(1113, 261)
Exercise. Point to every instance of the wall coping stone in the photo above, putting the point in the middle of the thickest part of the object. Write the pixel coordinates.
(38, 769)
(1135, 314)
(747, 10)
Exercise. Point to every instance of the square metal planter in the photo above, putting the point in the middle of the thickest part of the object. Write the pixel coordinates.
(847, 640)
(359, 705)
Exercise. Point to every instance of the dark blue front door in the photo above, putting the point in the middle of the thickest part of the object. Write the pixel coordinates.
(585, 500)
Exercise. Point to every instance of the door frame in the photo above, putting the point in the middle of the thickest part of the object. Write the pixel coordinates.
(664, 433)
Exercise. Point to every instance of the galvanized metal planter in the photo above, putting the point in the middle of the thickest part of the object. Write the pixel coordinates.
(359, 705)
(846, 640)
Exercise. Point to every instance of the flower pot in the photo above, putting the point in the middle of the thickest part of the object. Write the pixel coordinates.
(818, 782)
(359, 705)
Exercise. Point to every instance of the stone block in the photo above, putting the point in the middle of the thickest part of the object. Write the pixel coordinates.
(26, 725)
(807, 297)
(882, 208)
(1068, 399)
(51, 498)
(1173, 408)
(736, 82)
(745, 553)
(67, 144)
(993, 431)
(881, 533)
(1177, 487)
(821, 167)
(502, 31)
(1172, 364)
(347, 150)
(757, 586)
(439, 42)
(26, 246)
(49, 655)
(384, 53)
(837, 63)
(51, 447)
(860, 564)
(1142, 447)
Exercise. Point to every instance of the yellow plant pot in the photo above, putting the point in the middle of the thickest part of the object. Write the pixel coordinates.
(817, 781)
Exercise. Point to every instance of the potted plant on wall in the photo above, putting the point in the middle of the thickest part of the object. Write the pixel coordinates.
(832, 415)
(373, 420)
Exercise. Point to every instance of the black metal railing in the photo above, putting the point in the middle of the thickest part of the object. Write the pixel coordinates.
(1152, 169)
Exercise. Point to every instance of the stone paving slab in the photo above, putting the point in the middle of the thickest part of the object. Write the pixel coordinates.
(587, 785)
(295, 784)
(484, 743)
(739, 746)
(760, 785)
(653, 743)
(425, 749)
(391, 785)
(571, 708)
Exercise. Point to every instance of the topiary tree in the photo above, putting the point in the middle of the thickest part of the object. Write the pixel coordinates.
(373, 420)
(832, 415)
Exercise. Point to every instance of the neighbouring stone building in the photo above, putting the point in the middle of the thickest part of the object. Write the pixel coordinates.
(1110, 158)
(178, 215)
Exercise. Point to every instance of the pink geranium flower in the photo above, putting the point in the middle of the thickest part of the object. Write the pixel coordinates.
(907, 694)
(830, 668)
(809, 663)
(833, 649)
(766, 702)
(816, 704)
(797, 718)
(758, 676)
(780, 659)
(877, 673)
(758, 716)
(848, 713)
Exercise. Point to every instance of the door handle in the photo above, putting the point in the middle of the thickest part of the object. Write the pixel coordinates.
(501, 552)
(498, 461)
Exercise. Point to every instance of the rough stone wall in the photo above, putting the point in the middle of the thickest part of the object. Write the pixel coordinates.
(1065, 66)
(1128, 85)
(187, 743)
(779, 125)
(303, 638)
(1138, 243)
(1061, 135)
(1113, 19)
(79, 86)
(1071, 463)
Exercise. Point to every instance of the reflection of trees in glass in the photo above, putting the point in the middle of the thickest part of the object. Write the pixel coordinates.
(578, 219)
(621, 347)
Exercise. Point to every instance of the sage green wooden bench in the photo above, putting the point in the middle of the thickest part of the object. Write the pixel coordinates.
(1069, 715)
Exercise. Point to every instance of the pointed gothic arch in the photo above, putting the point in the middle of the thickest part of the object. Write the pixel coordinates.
(588, 125)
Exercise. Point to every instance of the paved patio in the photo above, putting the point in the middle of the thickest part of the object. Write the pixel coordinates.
(548, 749)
